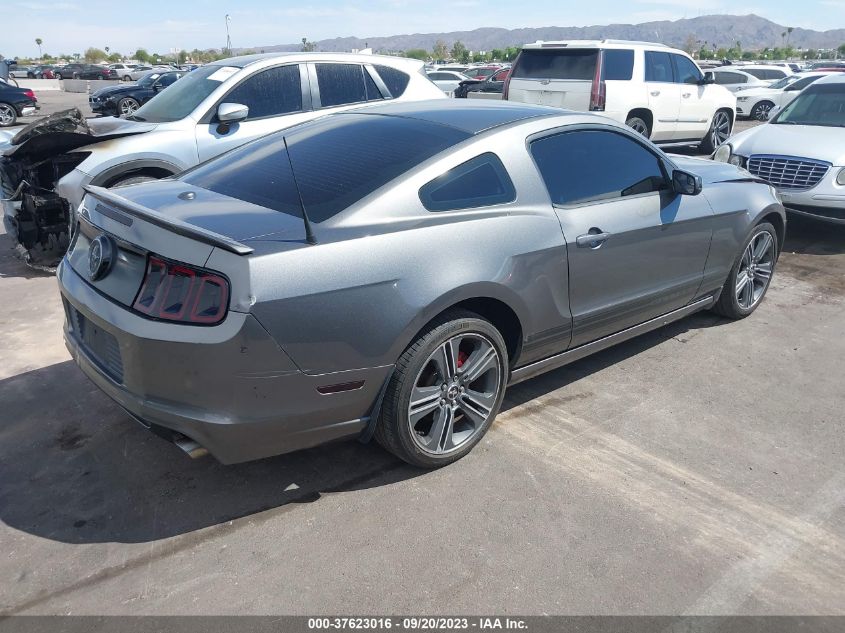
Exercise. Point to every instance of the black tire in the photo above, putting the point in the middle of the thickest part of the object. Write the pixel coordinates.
(639, 125)
(30, 75)
(728, 304)
(132, 180)
(76, 75)
(9, 115)
(708, 145)
(58, 76)
(761, 109)
(127, 78)
(393, 430)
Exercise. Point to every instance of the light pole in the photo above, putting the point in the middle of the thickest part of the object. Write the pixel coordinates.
(228, 39)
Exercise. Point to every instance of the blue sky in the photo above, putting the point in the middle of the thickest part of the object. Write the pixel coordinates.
(72, 25)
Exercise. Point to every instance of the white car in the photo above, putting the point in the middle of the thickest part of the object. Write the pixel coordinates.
(800, 151)
(139, 71)
(656, 90)
(446, 80)
(124, 71)
(218, 107)
(735, 79)
(766, 72)
(755, 103)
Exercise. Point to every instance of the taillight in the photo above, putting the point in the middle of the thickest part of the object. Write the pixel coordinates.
(182, 293)
(598, 92)
(30, 94)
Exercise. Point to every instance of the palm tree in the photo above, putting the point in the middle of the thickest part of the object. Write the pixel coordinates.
(789, 30)
(39, 41)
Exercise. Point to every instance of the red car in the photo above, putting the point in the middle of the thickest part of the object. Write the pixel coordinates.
(480, 72)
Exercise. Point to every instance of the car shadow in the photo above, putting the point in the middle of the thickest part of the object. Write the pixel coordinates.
(546, 383)
(813, 237)
(75, 468)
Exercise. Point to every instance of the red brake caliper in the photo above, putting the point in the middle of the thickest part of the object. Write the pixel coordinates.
(462, 357)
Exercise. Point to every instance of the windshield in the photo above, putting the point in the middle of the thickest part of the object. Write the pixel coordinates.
(822, 105)
(147, 80)
(182, 98)
(780, 84)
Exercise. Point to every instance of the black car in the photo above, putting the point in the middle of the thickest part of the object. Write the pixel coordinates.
(85, 71)
(124, 99)
(494, 83)
(15, 102)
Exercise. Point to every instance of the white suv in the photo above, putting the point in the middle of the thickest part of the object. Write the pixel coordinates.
(656, 90)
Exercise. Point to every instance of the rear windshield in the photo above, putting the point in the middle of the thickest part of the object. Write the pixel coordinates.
(556, 63)
(336, 162)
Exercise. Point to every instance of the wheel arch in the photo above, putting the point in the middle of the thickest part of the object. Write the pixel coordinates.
(775, 217)
(150, 167)
(490, 301)
(645, 114)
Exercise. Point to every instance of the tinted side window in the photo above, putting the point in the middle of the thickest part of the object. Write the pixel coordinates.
(480, 182)
(270, 92)
(686, 72)
(802, 83)
(395, 80)
(618, 64)
(168, 78)
(658, 67)
(340, 84)
(538, 63)
(501, 75)
(730, 78)
(595, 165)
(440, 76)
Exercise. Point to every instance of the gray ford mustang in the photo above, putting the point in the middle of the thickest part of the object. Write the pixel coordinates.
(390, 271)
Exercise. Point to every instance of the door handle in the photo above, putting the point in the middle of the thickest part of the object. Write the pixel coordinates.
(686, 95)
(655, 93)
(594, 239)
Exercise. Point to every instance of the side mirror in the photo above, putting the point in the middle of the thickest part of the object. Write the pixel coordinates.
(709, 78)
(685, 183)
(230, 113)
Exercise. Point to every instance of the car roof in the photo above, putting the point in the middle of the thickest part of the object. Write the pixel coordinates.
(832, 78)
(594, 44)
(472, 116)
(245, 60)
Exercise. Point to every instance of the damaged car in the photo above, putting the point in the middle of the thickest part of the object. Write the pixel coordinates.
(218, 107)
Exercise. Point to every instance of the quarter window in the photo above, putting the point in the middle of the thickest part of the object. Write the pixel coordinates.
(618, 64)
(480, 182)
(395, 80)
(591, 165)
(726, 78)
(658, 67)
(686, 72)
(270, 92)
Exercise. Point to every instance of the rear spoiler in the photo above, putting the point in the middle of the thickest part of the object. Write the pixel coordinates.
(172, 224)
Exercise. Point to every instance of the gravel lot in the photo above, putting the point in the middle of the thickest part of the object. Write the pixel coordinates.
(696, 470)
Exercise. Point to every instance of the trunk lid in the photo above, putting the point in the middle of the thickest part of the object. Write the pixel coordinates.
(179, 222)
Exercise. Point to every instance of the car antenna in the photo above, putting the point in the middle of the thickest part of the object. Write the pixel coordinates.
(309, 234)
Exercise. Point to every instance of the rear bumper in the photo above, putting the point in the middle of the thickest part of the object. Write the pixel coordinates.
(229, 388)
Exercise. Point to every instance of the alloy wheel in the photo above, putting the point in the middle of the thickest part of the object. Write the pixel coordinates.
(640, 128)
(761, 111)
(721, 129)
(454, 393)
(755, 270)
(7, 114)
(128, 106)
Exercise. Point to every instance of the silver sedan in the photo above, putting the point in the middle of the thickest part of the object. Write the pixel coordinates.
(390, 271)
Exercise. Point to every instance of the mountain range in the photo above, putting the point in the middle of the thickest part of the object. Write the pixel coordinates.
(753, 31)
